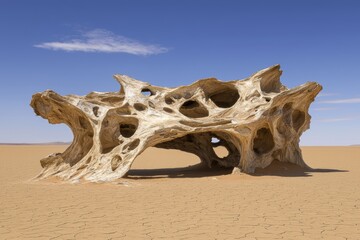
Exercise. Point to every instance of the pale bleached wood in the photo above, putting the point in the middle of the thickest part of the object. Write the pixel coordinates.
(257, 120)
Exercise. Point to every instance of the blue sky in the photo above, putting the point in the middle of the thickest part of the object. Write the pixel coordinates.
(64, 46)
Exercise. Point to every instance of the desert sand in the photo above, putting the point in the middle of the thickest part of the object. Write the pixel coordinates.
(167, 196)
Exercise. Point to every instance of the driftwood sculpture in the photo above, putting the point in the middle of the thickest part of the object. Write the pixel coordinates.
(257, 120)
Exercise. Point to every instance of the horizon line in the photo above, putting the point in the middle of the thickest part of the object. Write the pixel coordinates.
(68, 143)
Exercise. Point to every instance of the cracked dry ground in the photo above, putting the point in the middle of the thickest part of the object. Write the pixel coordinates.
(283, 202)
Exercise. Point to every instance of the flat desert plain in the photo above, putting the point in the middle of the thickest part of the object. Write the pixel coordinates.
(166, 196)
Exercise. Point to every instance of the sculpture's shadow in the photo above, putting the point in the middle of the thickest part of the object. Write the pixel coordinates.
(282, 169)
(276, 168)
(194, 171)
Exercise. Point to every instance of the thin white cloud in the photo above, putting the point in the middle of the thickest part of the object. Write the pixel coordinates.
(326, 94)
(335, 119)
(322, 109)
(100, 40)
(339, 101)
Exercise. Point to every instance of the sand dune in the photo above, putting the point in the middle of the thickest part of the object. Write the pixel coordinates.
(164, 198)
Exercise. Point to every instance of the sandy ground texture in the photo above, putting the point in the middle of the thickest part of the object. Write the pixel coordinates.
(163, 198)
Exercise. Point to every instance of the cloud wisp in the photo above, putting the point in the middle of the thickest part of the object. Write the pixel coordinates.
(336, 119)
(100, 40)
(339, 101)
(326, 94)
(323, 109)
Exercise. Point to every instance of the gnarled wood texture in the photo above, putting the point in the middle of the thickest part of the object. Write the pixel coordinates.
(257, 120)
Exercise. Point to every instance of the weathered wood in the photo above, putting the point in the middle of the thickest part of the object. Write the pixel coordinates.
(257, 119)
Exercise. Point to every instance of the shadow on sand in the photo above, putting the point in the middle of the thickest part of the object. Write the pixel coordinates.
(276, 168)
(194, 171)
(282, 169)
